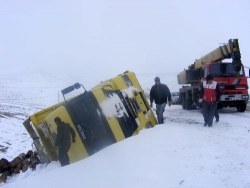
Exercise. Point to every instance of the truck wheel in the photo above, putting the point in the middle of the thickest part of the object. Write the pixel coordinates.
(183, 101)
(242, 107)
(187, 104)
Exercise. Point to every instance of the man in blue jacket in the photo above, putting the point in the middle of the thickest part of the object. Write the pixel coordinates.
(160, 93)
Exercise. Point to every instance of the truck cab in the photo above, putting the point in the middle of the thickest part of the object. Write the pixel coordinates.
(110, 112)
(230, 76)
(233, 84)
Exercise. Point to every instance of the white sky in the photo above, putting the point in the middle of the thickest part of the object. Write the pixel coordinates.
(81, 37)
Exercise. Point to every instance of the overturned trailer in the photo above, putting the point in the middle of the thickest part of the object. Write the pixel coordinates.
(110, 112)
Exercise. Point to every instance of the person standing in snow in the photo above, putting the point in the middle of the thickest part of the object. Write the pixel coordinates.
(210, 93)
(161, 95)
(63, 140)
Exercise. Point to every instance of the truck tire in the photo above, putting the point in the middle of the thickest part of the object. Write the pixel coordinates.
(187, 104)
(183, 101)
(242, 107)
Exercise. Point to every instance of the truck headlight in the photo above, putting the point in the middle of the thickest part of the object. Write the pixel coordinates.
(244, 96)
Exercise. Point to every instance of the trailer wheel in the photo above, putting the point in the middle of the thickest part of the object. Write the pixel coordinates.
(242, 107)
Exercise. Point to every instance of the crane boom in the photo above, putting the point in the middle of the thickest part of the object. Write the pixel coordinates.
(227, 51)
(230, 50)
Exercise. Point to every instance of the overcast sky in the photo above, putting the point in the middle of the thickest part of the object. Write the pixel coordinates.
(78, 37)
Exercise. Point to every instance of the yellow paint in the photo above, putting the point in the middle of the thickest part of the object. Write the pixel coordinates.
(116, 129)
(77, 150)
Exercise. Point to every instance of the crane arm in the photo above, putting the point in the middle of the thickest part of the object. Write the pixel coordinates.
(230, 50)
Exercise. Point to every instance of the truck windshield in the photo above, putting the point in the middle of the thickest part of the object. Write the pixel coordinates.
(90, 123)
(223, 69)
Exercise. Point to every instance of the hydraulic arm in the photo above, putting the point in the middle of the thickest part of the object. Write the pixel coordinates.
(230, 50)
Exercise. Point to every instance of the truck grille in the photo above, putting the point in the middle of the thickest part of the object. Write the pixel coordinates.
(231, 92)
(229, 87)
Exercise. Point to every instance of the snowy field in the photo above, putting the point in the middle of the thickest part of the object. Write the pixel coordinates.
(179, 153)
(46, 46)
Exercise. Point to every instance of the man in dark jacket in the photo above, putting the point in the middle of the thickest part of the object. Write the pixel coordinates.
(63, 140)
(210, 93)
(160, 93)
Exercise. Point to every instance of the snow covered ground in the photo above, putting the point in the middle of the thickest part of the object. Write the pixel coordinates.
(179, 153)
